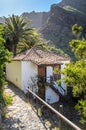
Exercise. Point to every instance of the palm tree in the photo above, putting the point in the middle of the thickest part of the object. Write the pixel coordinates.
(15, 29)
(32, 39)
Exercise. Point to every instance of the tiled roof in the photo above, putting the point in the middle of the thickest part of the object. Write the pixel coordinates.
(40, 56)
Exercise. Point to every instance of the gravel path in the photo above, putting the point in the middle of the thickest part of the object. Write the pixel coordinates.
(20, 115)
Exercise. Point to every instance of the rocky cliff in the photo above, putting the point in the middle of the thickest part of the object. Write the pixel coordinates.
(38, 19)
(79, 5)
(60, 21)
(56, 25)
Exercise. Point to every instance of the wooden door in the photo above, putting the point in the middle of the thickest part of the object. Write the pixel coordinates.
(42, 74)
(41, 70)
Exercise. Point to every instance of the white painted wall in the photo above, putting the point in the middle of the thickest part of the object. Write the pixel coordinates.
(49, 72)
(62, 76)
(13, 73)
(51, 96)
(29, 70)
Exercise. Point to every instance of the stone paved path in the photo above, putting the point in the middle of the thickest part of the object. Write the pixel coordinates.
(20, 115)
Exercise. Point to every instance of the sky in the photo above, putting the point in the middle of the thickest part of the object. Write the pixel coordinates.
(17, 7)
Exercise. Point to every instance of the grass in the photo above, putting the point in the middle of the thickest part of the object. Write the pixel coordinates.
(5, 100)
(69, 8)
(8, 99)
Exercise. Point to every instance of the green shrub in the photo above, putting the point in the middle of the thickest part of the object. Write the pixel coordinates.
(8, 99)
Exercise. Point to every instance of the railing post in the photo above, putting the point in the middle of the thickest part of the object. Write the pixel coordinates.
(60, 120)
(27, 96)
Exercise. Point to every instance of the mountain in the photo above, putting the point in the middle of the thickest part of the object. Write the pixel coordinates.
(1, 20)
(55, 25)
(59, 24)
(79, 5)
(38, 19)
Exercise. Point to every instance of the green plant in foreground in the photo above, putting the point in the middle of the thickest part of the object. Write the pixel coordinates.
(4, 58)
(8, 99)
(75, 72)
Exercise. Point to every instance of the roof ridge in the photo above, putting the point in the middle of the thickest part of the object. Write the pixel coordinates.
(27, 53)
(36, 52)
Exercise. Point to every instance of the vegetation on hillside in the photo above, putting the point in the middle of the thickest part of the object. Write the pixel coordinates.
(56, 50)
(70, 8)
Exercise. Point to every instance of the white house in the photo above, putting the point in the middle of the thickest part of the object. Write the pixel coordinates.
(25, 67)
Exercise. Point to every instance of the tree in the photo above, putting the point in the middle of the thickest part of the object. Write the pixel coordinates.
(33, 38)
(75, 75)
(77, 30)
(20, 36)
(16, 29)
(4, 58)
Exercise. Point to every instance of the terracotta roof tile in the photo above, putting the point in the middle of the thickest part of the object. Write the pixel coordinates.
(40, 56)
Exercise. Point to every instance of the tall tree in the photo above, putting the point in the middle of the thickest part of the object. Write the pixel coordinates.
(15, 29)
(75, 74)
(77, 30)
(33, 38)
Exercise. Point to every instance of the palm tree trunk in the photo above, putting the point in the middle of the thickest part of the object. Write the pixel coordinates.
(15, 49)
(15, 42)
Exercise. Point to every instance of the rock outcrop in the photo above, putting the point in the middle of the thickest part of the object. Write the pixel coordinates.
(79, 5)
(60, 22)
(56, 24)
(38, 19)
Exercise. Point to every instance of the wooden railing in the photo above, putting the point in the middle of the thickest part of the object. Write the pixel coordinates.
(59, 115)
